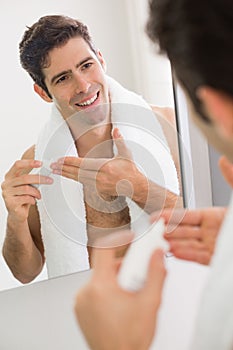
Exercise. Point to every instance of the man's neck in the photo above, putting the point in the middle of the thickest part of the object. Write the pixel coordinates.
(96, 142)
(93, 141)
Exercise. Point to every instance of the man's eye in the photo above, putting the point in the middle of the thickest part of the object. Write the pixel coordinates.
(61, 79)
(87, 65)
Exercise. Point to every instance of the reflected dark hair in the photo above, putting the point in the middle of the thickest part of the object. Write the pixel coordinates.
(47, 33)
(197, 37)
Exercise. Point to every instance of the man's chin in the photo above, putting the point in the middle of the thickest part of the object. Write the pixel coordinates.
(89, 117)
(95, 115)
(220, 143)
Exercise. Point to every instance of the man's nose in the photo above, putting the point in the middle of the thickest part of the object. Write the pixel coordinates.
(81, 85)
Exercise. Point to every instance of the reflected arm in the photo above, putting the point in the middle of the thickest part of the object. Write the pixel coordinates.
(20, 251)
(149, 195)
(119, 176)
(167, 119)
(23, 248)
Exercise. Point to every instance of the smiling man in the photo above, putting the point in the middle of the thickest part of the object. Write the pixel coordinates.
(93, 185)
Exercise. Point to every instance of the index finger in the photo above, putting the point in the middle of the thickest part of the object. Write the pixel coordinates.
(176, 217)
(23, 166)
(84, 163)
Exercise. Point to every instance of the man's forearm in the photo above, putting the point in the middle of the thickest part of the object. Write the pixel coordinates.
(20, 252)
(151, 197)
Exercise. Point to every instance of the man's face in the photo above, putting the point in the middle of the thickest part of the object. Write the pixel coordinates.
(76, 80)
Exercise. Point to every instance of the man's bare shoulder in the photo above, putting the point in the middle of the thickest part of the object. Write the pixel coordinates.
(166, 113)
(29, 153)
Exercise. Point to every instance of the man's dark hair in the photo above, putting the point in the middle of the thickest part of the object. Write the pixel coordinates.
(47, 33)
(197, 37)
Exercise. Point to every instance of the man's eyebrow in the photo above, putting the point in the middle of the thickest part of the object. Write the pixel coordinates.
(69, 71)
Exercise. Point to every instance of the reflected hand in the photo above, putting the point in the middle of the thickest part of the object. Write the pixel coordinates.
(115, 176)
(192, 234)
(112, 318)
(17, 191)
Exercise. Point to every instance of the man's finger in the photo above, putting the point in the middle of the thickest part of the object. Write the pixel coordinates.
(86, 177)
(82, 163)
(23, 166)
(30, 180)
(123, 150)
(179, 216)
(195, 255)
(184, 232)
(191, 244)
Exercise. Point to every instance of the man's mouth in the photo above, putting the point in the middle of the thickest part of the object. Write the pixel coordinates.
(88, 102)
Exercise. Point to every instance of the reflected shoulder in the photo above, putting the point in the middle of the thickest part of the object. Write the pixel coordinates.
(166, 113)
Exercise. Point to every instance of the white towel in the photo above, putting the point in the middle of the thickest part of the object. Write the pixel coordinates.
(62, 214)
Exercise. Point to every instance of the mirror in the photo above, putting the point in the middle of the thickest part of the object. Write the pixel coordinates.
(118, 30)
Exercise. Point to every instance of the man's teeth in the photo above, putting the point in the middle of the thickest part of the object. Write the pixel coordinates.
(88, 102)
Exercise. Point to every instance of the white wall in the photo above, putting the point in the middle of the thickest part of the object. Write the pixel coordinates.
(152, 71)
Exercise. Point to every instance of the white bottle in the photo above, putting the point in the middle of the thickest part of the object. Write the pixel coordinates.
(133, 271)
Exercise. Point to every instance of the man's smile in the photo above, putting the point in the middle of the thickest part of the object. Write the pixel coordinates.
(88, 102)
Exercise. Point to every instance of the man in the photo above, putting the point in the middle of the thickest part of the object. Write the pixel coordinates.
(189, 32)
(67, 69)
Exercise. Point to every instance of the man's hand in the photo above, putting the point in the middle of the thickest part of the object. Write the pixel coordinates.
(112, 318)
(192, 234)
(115, 176)
(17, 191)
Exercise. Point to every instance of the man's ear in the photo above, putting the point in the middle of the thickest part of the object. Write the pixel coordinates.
(219, 107)
(102, 60)
(42, 93)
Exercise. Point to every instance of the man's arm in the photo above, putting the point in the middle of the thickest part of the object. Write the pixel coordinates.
(112, 318)
(167, 119)
(153, 197)
(118, 176)
(192, 234)
(23, 247)
(151, 193)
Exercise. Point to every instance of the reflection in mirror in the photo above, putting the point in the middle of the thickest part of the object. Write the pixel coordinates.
(120, 148)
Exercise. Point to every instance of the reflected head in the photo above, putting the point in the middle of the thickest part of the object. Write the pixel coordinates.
(47, 33)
